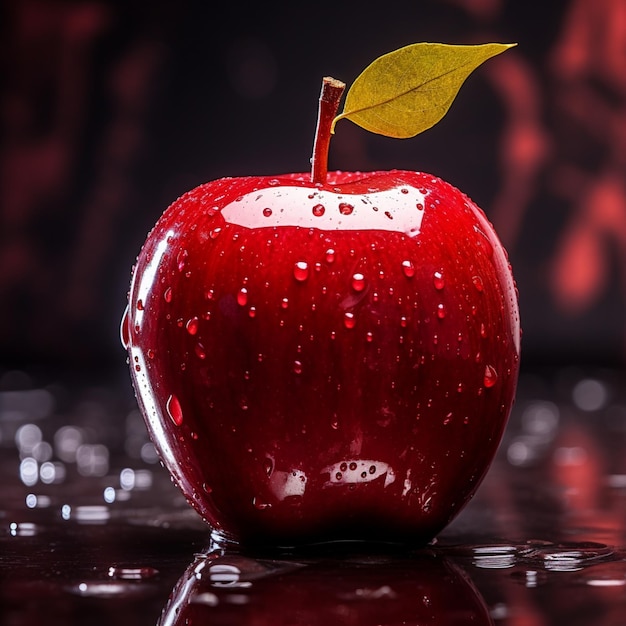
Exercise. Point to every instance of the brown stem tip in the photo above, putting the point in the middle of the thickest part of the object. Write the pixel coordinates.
(330, 96)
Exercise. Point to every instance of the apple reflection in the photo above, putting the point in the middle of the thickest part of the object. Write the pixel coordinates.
(424, 588)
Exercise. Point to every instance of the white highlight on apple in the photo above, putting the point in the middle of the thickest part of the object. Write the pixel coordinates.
(149, 275)
(286, 484)
(359, 471)
(341, 211)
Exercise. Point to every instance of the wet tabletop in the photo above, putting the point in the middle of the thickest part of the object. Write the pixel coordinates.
(93, 532)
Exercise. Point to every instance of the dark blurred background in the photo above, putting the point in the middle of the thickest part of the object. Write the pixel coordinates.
(110, 110)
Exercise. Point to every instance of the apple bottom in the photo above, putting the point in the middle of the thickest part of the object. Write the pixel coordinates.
(296, 468)
(352, 519)
(307, 488)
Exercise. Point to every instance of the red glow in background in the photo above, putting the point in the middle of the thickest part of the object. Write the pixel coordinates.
(110, 110)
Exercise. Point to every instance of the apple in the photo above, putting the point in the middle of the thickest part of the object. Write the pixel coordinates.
(325, 356)
(426, 588)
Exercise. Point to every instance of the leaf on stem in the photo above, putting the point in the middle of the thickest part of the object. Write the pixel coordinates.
(405, 92)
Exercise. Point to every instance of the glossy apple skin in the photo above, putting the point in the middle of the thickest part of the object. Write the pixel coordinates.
(312, 375)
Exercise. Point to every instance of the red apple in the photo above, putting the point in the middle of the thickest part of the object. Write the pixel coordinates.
(324, 359)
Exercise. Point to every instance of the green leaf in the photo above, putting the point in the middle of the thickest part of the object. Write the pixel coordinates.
(405, 92)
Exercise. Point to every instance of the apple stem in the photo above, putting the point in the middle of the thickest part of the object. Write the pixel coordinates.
(331, 93)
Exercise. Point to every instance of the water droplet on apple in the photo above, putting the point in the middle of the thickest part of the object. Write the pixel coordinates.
(260, 504)
(150, 353)
(403, 322)
(404, 190)
(330, 255)
(124, 330)
(491, 376)
(252, 312)
(447, 419)
(274, 182)
(200, 351)
(319, 210)
(167, 294)
(441, 311)
(284, 303)
(192, 326)
(209, 294)
(301, 271)
(348, 320)
(420, 206)
(215, 233)
(358, 282)
(408, 269)
(369, 337)
(242, 297)
(438, 281)
(478, 282)
(140, 304)
(345, 208)
(174, 410)
(297, 367)
(267, 212)
(181, 259)
(483, 331)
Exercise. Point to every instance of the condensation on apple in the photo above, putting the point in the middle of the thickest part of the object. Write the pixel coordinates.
(275, 207)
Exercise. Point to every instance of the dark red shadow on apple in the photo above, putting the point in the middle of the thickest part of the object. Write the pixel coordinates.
(423, 589)
(324, 361)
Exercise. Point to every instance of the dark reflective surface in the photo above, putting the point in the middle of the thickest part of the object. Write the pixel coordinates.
(92, 531)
